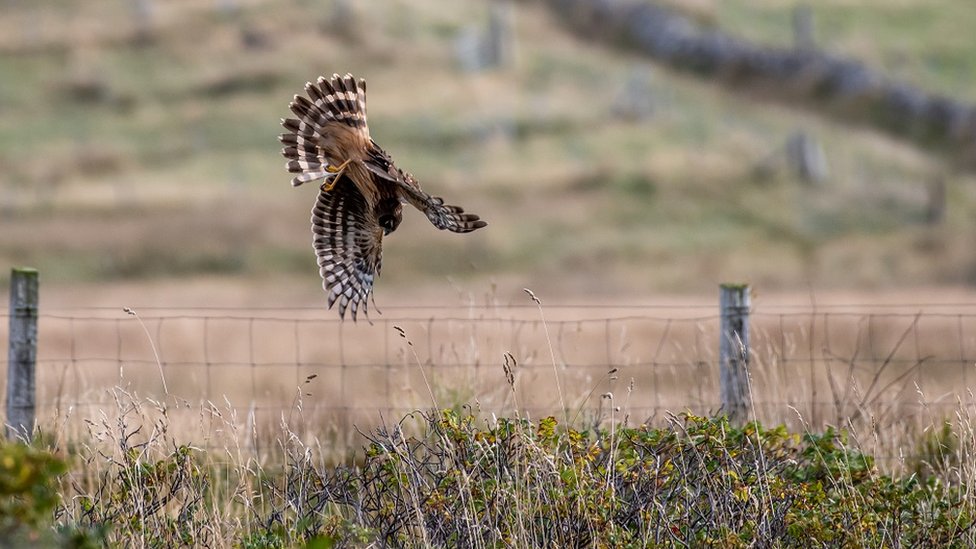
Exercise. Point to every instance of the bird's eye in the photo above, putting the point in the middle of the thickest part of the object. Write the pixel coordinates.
(388, 222)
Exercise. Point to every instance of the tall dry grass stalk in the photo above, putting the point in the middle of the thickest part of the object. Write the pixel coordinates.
(152, 345)
(552, 353)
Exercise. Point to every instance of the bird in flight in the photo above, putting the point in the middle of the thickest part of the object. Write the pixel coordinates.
(361, 196)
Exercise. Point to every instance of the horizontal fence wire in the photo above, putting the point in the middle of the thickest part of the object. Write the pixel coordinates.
(808, 366)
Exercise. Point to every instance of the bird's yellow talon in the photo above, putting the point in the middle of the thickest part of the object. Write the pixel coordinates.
(337, 169)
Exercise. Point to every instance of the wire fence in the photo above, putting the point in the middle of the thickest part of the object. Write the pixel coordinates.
(892, 364)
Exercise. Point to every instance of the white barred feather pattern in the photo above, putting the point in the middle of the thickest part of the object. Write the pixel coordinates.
(341, 100)
(363, 194)
(348, 243)
(442, 216)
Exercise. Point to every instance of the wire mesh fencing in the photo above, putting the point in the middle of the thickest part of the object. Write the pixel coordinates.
(847, 366)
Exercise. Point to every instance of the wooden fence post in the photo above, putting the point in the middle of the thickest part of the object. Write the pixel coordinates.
(500, 42)
(22, 355)
(935, 210)
(734, 350)
(803, 34)
(806, 158)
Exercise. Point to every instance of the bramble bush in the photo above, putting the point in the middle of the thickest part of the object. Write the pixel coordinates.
(699, 482)
(29, 497)
(28, 489)
(457, 481)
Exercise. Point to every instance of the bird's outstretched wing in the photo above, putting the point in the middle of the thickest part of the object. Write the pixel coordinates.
(443, 216)
(348, 243)
(333, 114)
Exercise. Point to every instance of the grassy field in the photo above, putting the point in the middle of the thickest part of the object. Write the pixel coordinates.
(478, 463)
(285, 428)
(919, 42)
(450, 478)
(144, 148)
(141, 169)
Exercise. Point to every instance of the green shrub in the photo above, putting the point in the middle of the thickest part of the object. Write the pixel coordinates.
(28, 488)
(937, 452)
(698, 482)
(29, 498)
(160, 500)
(463, 482)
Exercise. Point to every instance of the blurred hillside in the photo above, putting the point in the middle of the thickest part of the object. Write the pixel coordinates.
(138, 141)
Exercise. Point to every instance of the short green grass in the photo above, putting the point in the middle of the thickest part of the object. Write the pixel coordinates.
(924, 43)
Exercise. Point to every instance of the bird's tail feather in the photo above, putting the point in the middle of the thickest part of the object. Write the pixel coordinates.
(340, 99)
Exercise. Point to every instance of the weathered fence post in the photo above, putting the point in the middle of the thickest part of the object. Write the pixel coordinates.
(22, 354)
(500, 42)
(343, 20)
(479, 49)
(935, 210)
(803, 34)
(805, 156)
(734, 350)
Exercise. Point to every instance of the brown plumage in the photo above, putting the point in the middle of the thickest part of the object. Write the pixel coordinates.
(361, 198)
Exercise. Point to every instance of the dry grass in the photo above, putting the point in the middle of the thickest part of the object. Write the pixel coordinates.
(884, 371)
(428, 479)
(163, 187)
(241, 428)
(173, 172)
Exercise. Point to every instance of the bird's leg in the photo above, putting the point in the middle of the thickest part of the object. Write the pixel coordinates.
(337, 170)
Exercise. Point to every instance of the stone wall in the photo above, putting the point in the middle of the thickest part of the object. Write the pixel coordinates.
(839, 86)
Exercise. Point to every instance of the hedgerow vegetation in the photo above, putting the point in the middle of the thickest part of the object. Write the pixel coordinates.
(174, 173)
(448, 479)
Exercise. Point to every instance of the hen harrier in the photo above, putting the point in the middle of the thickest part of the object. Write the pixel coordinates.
(361, 198)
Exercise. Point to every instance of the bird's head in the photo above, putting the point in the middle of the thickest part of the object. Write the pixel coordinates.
(389, 214)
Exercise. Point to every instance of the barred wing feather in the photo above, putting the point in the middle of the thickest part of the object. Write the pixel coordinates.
(442, 216)
(348, 244)
(332, 106)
